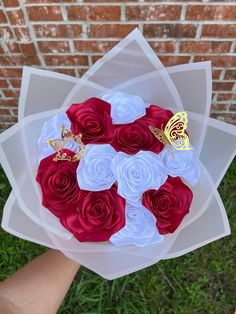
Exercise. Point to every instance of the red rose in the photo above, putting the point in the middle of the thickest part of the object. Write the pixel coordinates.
(169, 204)
(157, 116)
(133, 137)
(58, 183)
(92, 119)
(95, 216)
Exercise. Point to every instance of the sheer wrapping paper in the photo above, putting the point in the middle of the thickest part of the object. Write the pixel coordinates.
(130, 67)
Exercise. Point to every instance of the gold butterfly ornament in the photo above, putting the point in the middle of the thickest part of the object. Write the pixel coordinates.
(174, 134)
(59, 144)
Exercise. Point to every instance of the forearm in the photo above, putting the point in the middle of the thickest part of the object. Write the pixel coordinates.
(40, 286)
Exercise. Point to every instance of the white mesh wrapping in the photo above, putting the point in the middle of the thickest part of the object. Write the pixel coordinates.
(131, 67)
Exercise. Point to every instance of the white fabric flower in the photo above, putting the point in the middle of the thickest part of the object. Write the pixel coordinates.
(140, 228)
(125, 108)
(52, 130)
(138, 173)
(183, 164)
(94, 172)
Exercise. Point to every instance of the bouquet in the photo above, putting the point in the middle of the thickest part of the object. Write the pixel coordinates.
(118, 169)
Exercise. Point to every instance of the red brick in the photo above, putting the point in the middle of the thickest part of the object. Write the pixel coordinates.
(153, 12)
(8, 119)
(218, 61)
(207, 47)
(22, 33)
(93, 46)
(218, 107)
(226, 96)
(174, 60)
(74, 1)
(219, 1)
(93, 13)
(15, 83)
(169, 30)
(3, 83)
(13, 102)
(57, 31)
(66, 60)
(1, 49)
(110, 30)
(16, 17)
(96, 58)
(216, 74)
(6, 33)
(98, 1)
(82, 72)
(232, 107)
(11, 93)
(10, 3)
(163, 46)
(219, 30)
(211, 12)
(230, 75)
(5, 112)
(54, 46)
(13, 47)
(5, 126)
(16, 60)
(15, 112)
(28, 49)
(223, 86)
(44, 1)
(45, 13)
(227, 117)
(3, 18)
(70, 72)
(10, 73)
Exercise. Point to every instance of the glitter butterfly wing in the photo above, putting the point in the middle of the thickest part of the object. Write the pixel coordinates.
(175, 131)
(58, 144)
(160, 135)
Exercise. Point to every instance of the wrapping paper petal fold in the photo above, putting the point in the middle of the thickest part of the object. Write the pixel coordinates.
(130, 67)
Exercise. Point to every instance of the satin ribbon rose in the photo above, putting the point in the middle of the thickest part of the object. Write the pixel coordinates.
(169, 204)
(182, 164)
(95, 216)
(93, 120)
(58, 182)
(94, 172)
(140, 228)
(137, 173)
(134, 137)
(125, 108)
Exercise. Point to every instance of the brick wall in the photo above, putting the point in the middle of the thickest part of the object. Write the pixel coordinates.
(69, 36)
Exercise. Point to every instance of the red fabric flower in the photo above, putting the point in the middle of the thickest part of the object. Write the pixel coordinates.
(58, 183)
(157, 116)
(133, 137)
(92, 119)
(169, 204)
(95, 216)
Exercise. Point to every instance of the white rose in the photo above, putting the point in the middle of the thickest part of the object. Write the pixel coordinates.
(140, 228)
(94, 172)
(137, 173)
(125, 108)
(183, 164)
(52, 130)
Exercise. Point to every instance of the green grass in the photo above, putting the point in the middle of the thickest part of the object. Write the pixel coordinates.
(200, 282)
